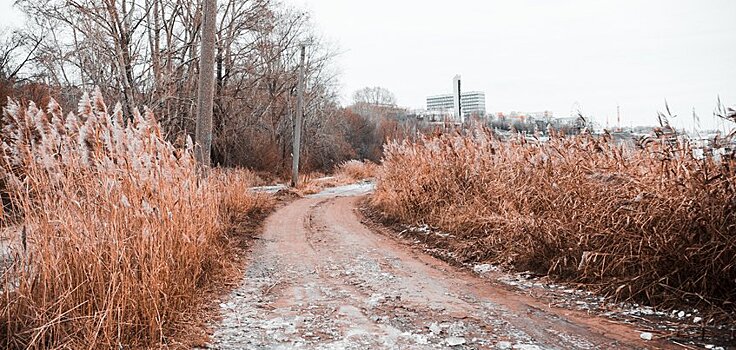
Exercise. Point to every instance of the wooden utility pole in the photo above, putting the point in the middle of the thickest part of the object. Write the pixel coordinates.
(206, 87)
(298, 122)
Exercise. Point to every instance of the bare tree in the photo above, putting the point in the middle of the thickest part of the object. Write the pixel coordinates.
(12, 57)
(152, 52)
(376, 96)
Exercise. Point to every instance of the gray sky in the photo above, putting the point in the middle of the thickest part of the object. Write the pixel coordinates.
(8, 16)
(532, 55)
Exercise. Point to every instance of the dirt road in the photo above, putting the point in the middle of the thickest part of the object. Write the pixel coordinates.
(318, 278)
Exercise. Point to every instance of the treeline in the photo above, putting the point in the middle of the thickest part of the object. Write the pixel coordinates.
(145, 53)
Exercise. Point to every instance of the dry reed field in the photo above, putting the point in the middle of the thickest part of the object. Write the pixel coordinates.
(116, 241)
(649, 224)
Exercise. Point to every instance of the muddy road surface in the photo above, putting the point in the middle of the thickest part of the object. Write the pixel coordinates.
(320, 279)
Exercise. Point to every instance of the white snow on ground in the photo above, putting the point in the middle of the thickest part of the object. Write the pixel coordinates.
(356, 189)
(269, 189)
(484, 268)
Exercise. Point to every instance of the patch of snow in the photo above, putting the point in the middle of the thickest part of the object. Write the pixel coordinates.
(269, 189)
(375, 300)
(646, 336)
(421, 339)
(347, 190)
(484, 268)
(455, 341)
(526, 347)
(503, 345)
(326, 178)
(711, 346)
(435, 328)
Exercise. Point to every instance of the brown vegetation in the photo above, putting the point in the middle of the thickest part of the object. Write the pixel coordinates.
(116, 240)
(355, 170)
(652, 223)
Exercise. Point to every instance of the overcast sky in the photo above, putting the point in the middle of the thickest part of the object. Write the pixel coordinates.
(534, 55)
(8, 16)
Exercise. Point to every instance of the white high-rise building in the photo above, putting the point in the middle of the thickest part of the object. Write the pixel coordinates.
(471, 102)
(474, 103)
(444, 103)
(461, 104)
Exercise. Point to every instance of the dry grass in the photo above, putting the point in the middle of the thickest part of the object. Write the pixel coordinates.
(652, 224)
(121, 240)
(355, 170)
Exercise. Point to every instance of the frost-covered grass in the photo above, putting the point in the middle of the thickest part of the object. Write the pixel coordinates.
(121, 239)
(651, 223)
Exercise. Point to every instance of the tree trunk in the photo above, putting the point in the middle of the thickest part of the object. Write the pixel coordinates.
(206, 89)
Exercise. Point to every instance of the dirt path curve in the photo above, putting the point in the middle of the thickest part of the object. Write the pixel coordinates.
(319, 279)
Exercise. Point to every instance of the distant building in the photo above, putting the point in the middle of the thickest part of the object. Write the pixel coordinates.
(440, 117)
(441, 103)
(566, 122)
(472, 103)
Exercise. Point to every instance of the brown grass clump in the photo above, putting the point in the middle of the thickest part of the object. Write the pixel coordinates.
(239, 207)
(356, 170)
(116, 238)
(652, 223)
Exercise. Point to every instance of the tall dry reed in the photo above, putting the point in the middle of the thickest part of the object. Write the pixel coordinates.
(119, 237)
(651, 223)
(356, 170)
